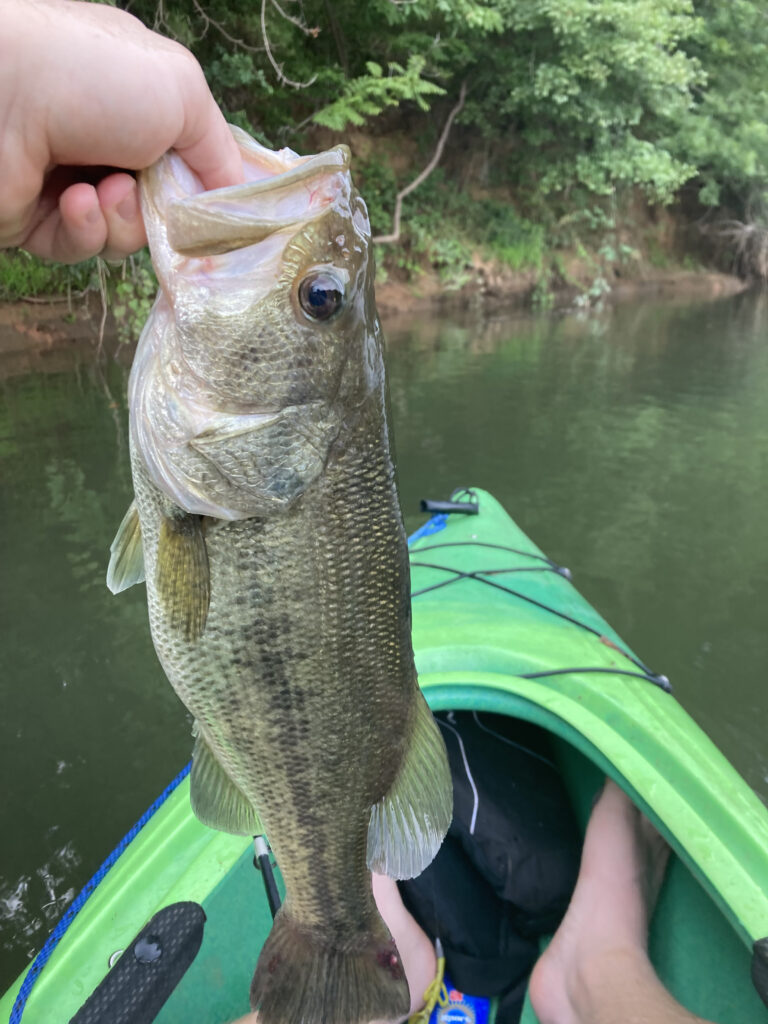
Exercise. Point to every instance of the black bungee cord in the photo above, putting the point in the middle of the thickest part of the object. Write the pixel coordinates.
(481, 576)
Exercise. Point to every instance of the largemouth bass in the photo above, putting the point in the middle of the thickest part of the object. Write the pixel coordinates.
(267, 525)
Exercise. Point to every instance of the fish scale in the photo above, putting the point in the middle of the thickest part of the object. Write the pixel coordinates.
(267, 526)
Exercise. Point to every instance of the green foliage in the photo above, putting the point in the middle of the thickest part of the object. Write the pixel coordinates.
(543, 298)
(447, 229)
(232, 70)
(452, 258)
(22, 275)
(378, 183)
(584, 89)
(133, 296)
(490, 225)
(572, 99)
(657, 256)
(369, 94)
(594, 295)
(618, 253)
(725, 132)
(128, 291)
(573, 106)
(511, 238)
(586, 83)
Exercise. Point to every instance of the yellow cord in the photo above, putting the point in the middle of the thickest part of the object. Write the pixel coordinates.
(436, 994)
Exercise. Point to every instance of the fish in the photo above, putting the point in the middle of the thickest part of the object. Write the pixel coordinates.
(267, 527)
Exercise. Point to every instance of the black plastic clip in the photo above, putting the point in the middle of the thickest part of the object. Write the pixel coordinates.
(466, 508)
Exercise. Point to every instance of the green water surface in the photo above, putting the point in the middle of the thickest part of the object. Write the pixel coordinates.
(632, 445)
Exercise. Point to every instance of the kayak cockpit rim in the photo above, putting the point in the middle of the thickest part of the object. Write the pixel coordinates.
(490, 693)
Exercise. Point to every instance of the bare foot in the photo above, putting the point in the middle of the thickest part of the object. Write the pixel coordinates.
(604, 933)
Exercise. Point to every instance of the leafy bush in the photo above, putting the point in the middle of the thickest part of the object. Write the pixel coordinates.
(587, 89)
(368, 95)
(22, 276)
(133, 295)
(724, 132)
(377, 182)
(572, 106)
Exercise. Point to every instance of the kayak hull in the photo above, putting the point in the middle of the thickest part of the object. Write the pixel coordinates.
(497, 628)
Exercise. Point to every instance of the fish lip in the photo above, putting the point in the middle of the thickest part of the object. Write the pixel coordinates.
(201, 224)
(331, 161)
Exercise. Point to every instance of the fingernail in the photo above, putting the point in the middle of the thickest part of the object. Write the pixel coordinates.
(127, 208)
(93, 214)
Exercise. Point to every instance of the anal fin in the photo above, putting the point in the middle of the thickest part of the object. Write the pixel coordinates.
(215, 798)
(182, 574)
(126, 559)
(410, 822)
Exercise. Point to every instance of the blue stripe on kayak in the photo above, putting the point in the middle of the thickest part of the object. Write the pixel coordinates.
(77, 904)
(433, 525)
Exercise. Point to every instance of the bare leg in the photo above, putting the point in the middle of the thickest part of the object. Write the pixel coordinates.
(596, 969)
(415, 948)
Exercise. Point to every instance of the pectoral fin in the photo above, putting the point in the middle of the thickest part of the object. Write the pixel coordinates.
(408, 824)
(182, 575)
(126, 560)
(215, 799)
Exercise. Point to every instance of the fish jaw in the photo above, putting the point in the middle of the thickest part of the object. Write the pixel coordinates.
(232, 218)
(283, 191)
(236, 394)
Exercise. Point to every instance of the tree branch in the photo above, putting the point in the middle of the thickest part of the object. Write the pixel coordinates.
(298, 22)
(395, 236)
(277, 67)
(208, 21)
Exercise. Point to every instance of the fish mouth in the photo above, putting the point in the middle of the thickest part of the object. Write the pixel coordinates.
(288, 191)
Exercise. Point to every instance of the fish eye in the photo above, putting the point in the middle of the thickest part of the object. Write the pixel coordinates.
(321, 295)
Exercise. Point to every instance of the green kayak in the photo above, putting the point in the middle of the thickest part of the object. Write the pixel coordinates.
(499, 628)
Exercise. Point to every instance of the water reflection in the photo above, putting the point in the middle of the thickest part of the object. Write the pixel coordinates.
(632, 446)
(83, 698)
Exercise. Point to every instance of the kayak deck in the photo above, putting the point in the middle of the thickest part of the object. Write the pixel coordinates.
(497, 628)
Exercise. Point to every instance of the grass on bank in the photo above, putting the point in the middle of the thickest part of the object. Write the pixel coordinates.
(23, 277)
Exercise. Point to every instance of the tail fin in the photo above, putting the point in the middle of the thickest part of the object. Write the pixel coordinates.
(301, 978)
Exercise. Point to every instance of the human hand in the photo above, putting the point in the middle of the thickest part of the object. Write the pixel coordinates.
(85, 89)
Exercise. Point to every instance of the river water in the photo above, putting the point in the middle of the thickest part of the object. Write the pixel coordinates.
(632, 445)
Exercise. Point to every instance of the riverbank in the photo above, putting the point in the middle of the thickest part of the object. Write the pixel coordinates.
(499, 287)
(41, 335)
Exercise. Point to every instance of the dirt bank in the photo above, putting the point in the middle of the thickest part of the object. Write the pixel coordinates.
(43, 335)
(501, 287)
